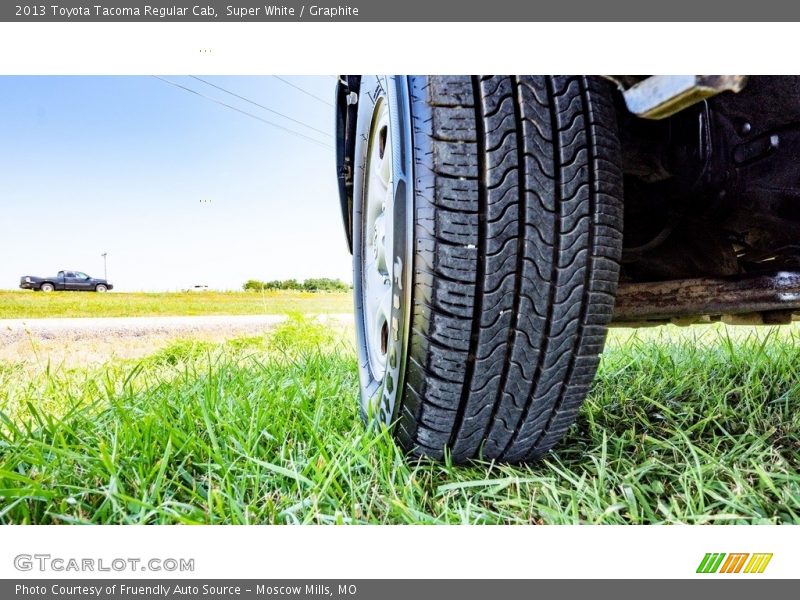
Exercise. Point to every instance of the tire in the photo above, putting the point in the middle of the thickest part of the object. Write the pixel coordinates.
(102, 288)
(505, 220)
(47, 287)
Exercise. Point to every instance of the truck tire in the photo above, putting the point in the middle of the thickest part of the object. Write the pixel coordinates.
(488, 232)
(101, 288)
(47, 287)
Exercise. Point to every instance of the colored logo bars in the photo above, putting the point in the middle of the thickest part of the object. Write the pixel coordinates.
(719, 562)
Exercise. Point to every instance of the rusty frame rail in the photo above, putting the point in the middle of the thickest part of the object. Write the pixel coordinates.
(773, 297)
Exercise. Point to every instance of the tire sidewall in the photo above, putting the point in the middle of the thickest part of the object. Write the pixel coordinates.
(379, 395)
(47, 288)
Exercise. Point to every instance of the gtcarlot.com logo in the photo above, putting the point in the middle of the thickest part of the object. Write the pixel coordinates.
(737, 562)
(59, 564)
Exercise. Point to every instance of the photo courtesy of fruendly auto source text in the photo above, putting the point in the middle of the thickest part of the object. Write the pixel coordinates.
(272, 324)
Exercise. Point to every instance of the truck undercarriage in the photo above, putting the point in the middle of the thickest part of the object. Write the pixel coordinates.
(712, 209)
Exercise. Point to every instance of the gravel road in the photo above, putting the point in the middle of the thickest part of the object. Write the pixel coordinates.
(76, 341)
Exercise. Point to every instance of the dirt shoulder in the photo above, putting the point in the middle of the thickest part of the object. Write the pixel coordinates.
(81, 341)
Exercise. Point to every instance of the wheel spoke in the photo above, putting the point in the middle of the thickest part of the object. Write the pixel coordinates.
(388, 232)
(385, 167)
(386, 304)
(375, 282)
(377, 185)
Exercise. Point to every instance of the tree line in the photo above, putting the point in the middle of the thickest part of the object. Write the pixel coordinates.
(318, 284)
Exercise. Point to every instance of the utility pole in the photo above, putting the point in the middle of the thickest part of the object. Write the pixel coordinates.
(105, 266)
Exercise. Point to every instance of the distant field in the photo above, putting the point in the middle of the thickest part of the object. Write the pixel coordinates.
(23, 304)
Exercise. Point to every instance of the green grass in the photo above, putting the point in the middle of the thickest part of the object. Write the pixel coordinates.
(683, 426)
(26, 304)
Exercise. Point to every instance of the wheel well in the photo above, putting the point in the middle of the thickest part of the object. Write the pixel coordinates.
(347, 91)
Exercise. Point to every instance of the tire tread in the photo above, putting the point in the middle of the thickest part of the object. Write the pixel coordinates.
(518, 232)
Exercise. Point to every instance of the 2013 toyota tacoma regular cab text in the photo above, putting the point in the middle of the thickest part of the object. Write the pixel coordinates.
(74, 281)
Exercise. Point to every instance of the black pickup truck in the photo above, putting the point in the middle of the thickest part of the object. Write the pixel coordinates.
(75, 281)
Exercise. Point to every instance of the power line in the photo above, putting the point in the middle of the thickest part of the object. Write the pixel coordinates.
(254, 103)
(306, 92)
(244, 112)
(251, 115)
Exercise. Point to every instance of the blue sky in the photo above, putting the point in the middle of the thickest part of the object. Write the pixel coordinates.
(121, 164)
